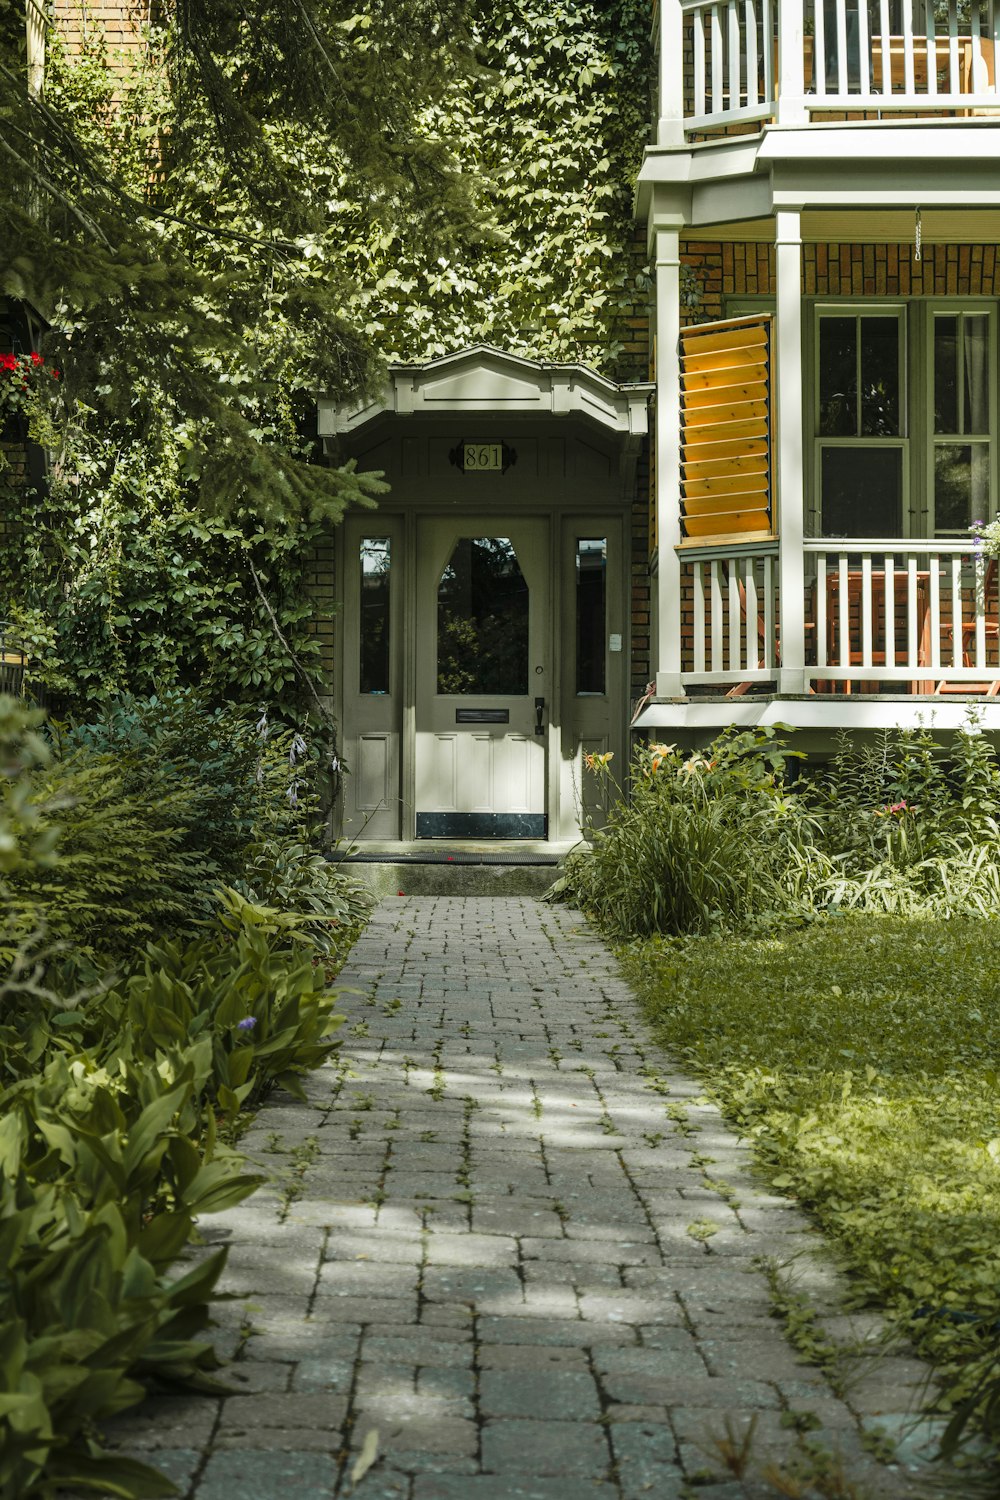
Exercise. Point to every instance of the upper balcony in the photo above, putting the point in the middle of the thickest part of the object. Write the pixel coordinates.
(728, 67)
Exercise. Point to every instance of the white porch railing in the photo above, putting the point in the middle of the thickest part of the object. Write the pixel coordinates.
(729, 614)
(870, 56)
(921, 614)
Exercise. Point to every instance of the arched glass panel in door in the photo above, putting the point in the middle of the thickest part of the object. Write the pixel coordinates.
(482, 620)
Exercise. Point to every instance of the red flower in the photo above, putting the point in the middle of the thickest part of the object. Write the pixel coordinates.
(36, 359)
(8, 361)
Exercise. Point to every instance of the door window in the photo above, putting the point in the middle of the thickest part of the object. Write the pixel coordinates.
(859, 423)
(482, 620)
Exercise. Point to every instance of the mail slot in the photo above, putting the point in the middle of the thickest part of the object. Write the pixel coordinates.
(482, 716)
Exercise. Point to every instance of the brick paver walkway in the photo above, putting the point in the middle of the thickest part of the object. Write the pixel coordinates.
(508, 1235)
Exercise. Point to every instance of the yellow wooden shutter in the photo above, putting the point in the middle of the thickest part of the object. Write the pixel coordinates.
(726, 479)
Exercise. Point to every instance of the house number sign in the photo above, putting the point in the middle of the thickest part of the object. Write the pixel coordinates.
(482, 457)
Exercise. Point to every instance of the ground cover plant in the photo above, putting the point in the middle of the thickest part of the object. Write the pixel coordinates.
(859, 1056)
(819, 947)
(121, 1069)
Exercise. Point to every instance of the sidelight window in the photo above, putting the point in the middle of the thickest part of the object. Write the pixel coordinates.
(591, 614)
(375, 580)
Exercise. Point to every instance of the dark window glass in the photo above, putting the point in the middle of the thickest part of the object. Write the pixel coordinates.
(483, 620)
(946, 375)
(961, 485)
(591, 613)
(862, 491)
(879, 377)
(375, 614)
(838, 377)
(975, 373)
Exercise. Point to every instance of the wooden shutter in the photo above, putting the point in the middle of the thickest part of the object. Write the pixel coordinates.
(726, 478)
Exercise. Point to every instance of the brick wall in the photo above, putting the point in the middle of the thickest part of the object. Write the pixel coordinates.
(747, 270)
(121, 23)
(319, 566)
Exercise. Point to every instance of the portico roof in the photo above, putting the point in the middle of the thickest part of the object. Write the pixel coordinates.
(483, 379)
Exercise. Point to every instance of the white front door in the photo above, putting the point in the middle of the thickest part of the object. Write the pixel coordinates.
(483, 671)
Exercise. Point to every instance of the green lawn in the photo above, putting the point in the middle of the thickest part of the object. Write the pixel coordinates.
(860, 1055)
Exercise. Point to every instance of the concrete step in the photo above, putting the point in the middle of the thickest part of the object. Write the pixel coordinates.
(454, 867)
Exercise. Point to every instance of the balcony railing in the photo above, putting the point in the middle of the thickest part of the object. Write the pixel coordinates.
(911, 617)
(727, 63)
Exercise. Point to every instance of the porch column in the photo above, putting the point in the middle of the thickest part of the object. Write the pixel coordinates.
(670, 126)
(791, 102)
(791, 507)
(668, 462)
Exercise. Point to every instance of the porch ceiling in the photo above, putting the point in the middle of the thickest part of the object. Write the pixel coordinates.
(944, 226)
(484, 380)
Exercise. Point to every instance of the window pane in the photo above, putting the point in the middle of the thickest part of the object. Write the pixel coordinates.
(862, 491)
(975, 372)
(591, 574)
(838, 382)
(375, 614)
(961, 485)
(483, 619)
(946, 375)
(879, 377)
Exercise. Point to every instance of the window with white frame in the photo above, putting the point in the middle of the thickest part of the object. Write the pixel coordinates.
(860, 420)
(961, 425)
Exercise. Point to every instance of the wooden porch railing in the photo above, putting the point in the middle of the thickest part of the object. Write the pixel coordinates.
(920, 614)
(913, 617)
(855, 56)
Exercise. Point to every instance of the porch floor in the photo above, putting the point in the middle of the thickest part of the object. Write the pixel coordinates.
(453, 851)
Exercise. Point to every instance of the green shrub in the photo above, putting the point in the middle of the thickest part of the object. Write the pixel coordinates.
(724, 839)
(702, 841)
(111, 1093)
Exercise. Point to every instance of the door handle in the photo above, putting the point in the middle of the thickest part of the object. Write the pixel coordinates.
(539, 713)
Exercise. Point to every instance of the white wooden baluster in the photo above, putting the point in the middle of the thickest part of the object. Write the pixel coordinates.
(911, 611)
(978, 79)
(842, 74)
(980, 592)
(993, 33)
(866, 610)
(954, 70)
(933, 622)
(819, 48)
(930, 30)
(718, 76)
(735, 51)
(957, 617)
(699, 617)
(822, 589)
(715, 615)
(767, 47)
(699, 63)
(843, 613)
(863, 53)
(769, 632)
(735, 616)
(753, 58)
(908, 85)
(890, 611)
(750, 589)
(885, 31)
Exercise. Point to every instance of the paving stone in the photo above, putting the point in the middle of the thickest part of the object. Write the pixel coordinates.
(266, 1475)
(538, 1264)
(541, 1448)
(548, 1394)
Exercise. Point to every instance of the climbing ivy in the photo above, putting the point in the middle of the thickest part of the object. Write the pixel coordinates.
(286, 254)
